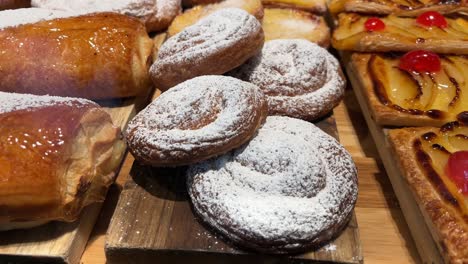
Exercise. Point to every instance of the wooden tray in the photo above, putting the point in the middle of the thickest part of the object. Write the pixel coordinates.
(154, 221)
(422, 231)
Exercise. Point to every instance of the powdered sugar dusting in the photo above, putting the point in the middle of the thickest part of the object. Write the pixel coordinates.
(16, 17)
(13, 101)
(290, 186)
(300, 78)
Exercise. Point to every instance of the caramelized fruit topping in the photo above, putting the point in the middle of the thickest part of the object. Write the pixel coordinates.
(420, 61)
(457, 170)
(432, 19)
(374, 24)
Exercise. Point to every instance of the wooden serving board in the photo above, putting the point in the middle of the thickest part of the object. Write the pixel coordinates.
(153, 221)
(421, 230)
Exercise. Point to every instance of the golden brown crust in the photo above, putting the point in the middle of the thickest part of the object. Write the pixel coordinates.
(315, 6)
(400, 34)
(285, 23)
(94, 56)
(13, 4)
(381, 113)
(451, 230)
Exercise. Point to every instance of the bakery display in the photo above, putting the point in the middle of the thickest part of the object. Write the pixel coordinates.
(285, 23)
(434, 163)
(196, 120)
(193, 15)
(155, 14)
(397, 7)
(290, 188)
(12, 4)
(392, 33)
(300, 79)
(57, 156)
(216, 44)
(315, 6)
(97, 56)
(399, 96)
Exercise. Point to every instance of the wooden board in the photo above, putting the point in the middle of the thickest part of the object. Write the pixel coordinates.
(153, 220)
(422, 232)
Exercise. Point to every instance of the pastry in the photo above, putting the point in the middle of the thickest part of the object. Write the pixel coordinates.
(290, 188)
(193, 15)
(216, 44)
(155, 14)
(12, 4)
(397, 7)
(57, 155)
(191, 3)
(196, 120)
(434, 163)
(97, 56)
(299, 78)
(284, 23)
(392, 33)
(316, 6)
(401, 97)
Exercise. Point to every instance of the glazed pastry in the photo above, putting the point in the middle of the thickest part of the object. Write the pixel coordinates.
(216, 44)
(434, 163)
(57, 155)
(315, 6)
(193, 15)
(401, 97)
(13, 4)
(400, 34)
(397, 7)
(196, 120)
(97, 56)
(290, 188)
(283, 23)
(299, 78)
(155, 14)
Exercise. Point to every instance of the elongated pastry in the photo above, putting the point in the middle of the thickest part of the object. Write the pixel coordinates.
(392, 33)
(57, 155)
(155, 14)
(315, 6)
(399, 96)
(13, 4)
(193, 15)
(397, 7)
(434, 162)
(285, 23)
(96, 56)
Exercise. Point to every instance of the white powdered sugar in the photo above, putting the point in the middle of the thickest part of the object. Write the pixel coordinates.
(291, 186)
(17, 17)
(300, 78)
(204, 113)
(10, 102)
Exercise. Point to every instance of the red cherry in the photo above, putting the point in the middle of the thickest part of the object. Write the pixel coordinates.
(432, 19)
(420, 61)
(457, 170)
(374, 24)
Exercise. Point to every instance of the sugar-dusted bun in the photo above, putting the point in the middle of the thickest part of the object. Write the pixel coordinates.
(290, 188)
(197, 119)
(299, 78)
(216, 44)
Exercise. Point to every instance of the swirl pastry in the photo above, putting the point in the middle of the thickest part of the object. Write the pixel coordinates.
(299, 78)
(291, 187)
(400, 34)
(216, 44)
(196, 120)
(193, 15)
(155, 14)
(57, 155)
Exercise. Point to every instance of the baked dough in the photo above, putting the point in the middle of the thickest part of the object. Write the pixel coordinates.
(193, 15)
(315, 6)
(96, 56)
(216, 44)
(57, 156)
(444, 208)
(13, 4)
(285, 23)
(196, 120)
(290, 188)
(400, 34)
(398, 98)
(191, 3)
(157, 15)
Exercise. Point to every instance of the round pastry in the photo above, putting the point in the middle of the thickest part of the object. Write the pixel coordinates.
(299, 78)
(216, 44)
(290, 188)
(196, 120)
